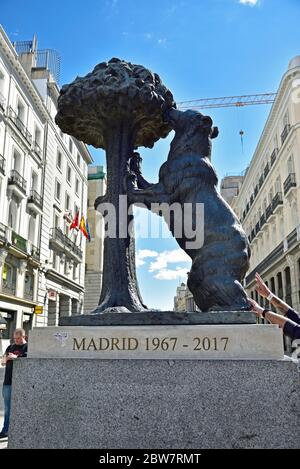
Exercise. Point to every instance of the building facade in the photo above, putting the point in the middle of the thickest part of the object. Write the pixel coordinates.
(230, 186)
(94, 249)
(268, 202)
(184, 300)
(43, 183)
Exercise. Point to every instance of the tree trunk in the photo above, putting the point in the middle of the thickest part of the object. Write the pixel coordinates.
(119, 286)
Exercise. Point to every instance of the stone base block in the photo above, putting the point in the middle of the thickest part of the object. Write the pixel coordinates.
(153, 404)
(121, 316)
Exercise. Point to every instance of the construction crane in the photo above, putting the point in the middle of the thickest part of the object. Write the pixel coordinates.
(228, 101)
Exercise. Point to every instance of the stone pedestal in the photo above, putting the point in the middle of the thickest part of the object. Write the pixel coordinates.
(152, 404)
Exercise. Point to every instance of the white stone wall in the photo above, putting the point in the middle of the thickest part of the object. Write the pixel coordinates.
(279, 231)
(38, 110)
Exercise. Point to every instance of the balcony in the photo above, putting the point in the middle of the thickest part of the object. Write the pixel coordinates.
(2, 102)
(61, 242)
(20, 125)
(35, 253)
(269, 212)
(257, 228)
(19, 242)
(285, 133)
(35, 202)
(266, 170)
(262, 221)
(3, 233)
(37, 149)
(17, 184)
(2, 165)
(252, 235)
(274, 156)
(277, 202)
(289, 183)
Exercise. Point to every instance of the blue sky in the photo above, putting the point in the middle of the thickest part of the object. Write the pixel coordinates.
(200, 48)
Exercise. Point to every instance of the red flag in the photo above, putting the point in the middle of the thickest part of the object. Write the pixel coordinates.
(74, 223)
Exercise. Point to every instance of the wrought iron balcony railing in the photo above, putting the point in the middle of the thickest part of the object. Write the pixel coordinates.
(289, 183)
(273, 156)
(2, 164)
(285, 133)
(266, 170)
(257, 228)
(269, 211)
(67, 243)
(277, 200)
(262, 221)
(19, 242)
(3, 235)
(2, 101)
(35, 198)
(20, 125)
(15, 178)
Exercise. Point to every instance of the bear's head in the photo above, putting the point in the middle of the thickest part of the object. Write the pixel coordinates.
(193, 131)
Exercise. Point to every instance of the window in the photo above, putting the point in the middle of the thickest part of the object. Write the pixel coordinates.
(78, 160)
(75, 271)
(57, 190)
(76, 210)
(28, 285)
(21, 110)
(13, 215)
(9, 278)
(286, 119)
(59, 160)
(290, 165)
(17, 162)
(278, 185)
(2, 97)
(69, 174)
(34, 181)
(31, 229)
(37, 135)
(67, 201)
(66, 267)
(77, 186)
(56, 221)
(70, 145)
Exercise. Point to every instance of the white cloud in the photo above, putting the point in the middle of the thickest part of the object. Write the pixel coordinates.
(159, 266)
(251, 3)
(167, 257)
(170, 274)
(143, 254)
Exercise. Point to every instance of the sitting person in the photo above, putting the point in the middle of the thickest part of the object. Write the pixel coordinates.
(288, 320)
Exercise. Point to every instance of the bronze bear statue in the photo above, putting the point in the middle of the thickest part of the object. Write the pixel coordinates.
(187, 177)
